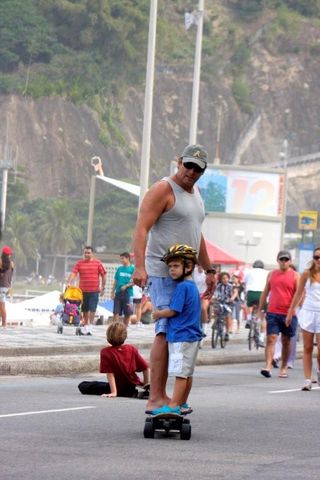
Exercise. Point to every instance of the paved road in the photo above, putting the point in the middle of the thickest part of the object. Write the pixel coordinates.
(243, 427)
(41, 351)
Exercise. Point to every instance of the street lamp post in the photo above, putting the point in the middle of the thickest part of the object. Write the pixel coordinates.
(196, 77)
(241, 240)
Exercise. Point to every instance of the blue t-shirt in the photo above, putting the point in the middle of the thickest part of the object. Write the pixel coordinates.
(123, 277)
(185, 326)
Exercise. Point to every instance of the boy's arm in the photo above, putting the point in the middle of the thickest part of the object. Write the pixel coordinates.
(113, 386)
(166, 313)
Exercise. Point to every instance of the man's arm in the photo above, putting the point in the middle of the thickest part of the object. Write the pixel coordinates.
(264, 294)
(103, 282)
(71, 277)
(156, 201)
(166, 313)
(205, 262)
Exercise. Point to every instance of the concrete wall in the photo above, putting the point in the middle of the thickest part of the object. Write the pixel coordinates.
(220, 229)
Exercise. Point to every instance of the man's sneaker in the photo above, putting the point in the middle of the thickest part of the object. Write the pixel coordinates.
(307, 386)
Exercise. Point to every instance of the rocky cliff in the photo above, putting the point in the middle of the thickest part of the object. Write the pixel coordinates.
(53, 140)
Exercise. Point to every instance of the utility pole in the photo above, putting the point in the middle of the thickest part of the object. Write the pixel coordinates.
(148, 100)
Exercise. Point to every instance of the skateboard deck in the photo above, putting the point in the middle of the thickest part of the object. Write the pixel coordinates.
(167, 422)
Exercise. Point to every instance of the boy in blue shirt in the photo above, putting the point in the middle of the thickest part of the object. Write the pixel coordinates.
(184, 326)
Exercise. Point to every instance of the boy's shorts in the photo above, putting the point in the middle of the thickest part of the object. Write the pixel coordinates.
(122, 304)
(276, 324)
(182, 358)
(161, 290)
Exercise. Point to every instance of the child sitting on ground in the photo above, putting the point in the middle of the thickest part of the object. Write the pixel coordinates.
(184, 326)
(120, 362)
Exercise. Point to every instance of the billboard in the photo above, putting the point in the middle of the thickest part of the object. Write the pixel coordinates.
(241, 190)
(308, 220)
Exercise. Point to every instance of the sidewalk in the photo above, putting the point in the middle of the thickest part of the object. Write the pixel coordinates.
(41, 351)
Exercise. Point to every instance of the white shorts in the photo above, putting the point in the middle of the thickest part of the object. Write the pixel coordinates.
(182, 358)
(309, 320)
(3, 294)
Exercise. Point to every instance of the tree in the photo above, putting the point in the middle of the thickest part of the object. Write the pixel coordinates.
(24, 34)
(59, 229)
(20, 236)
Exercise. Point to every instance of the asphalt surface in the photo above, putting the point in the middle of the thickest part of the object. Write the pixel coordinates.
(42, 351)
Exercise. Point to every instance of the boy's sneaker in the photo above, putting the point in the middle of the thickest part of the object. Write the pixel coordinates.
(185, 409)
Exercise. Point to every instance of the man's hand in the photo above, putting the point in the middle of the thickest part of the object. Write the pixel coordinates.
(109, 395)
(156, 314)
(140, 277)
(211, 285)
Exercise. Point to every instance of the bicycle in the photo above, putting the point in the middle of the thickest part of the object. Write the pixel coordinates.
(220, 310)
(254, 330)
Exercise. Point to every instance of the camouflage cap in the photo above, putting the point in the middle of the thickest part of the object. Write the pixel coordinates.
(195, 154)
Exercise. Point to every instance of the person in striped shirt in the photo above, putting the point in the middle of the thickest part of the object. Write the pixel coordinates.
(92, 281)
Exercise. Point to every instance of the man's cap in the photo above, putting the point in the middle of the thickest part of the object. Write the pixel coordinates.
(195, 154)
(7, 250)
(284, 254)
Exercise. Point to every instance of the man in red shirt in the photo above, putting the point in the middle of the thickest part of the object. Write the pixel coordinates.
(281, 286)
(92, 281)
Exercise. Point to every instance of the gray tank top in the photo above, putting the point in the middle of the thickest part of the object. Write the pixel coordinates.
(181, 224)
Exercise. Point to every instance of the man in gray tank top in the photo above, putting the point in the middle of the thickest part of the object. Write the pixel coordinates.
(172, 211)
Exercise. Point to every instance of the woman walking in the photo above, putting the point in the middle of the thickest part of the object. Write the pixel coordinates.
(6, 271)
(309, 315)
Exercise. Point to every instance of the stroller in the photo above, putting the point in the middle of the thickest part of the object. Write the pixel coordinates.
(71, 315)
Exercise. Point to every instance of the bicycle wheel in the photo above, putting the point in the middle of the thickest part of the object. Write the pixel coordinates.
(250, 335)
(257, 336)
(222, 336)
(214, 334)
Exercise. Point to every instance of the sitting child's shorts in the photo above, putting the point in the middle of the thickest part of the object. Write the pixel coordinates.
(182, 358)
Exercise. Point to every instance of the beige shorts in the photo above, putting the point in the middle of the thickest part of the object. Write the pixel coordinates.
(182, 358)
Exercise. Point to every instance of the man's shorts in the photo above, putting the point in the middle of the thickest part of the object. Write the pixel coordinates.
(161, 290)
(276, 324)
(3, 294)
(90, 301)
(122, 304)
(182, 358)
(253, 298)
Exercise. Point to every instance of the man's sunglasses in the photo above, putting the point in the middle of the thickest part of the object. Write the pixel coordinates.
(284, 259)
(316, 257)
(194, 167)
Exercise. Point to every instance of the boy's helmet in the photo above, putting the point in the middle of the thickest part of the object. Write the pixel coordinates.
(180, 250)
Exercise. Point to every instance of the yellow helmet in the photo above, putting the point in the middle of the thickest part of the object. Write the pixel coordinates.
(180, 250)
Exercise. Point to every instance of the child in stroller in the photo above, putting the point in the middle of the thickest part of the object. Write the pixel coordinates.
(71, 315)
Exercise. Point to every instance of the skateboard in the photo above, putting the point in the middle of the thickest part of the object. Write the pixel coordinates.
(167, 422)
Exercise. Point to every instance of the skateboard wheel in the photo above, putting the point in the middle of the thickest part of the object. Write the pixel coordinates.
(185, 433)
(148, 431)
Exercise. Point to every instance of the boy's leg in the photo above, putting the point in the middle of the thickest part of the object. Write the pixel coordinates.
(179, 392)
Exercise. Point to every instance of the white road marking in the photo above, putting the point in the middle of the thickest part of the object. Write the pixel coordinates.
(39, 412)
(291, 390)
